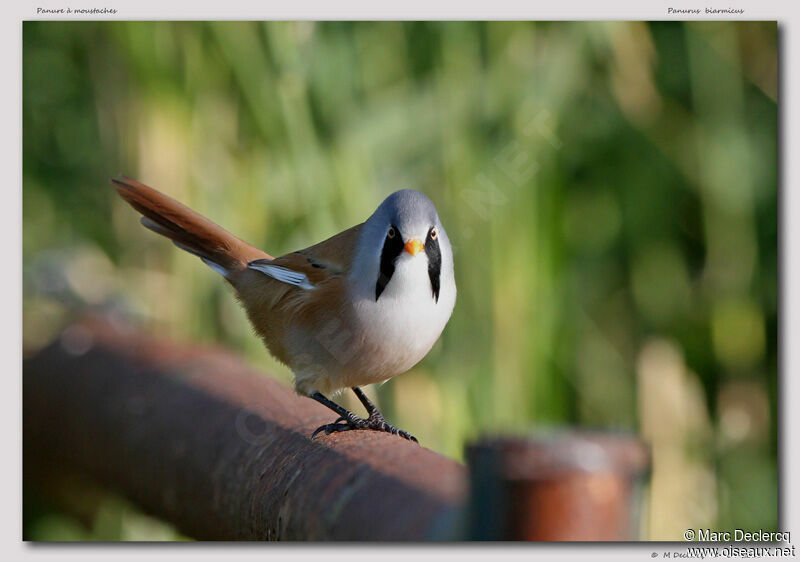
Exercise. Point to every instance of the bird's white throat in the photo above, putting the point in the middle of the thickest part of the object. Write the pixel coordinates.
(403, 324)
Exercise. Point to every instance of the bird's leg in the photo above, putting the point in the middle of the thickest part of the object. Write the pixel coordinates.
(372, 411)
(351, 421)
(376, 420)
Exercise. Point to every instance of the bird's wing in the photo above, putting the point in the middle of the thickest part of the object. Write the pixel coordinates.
(297, 294)
(314, 265)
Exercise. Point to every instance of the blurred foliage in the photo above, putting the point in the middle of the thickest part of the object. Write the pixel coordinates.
(610, 188)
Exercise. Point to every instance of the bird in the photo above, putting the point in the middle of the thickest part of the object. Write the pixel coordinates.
(358, 308)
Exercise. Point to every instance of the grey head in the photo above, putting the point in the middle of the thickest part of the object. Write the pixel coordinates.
(408, 210)
(406, 221)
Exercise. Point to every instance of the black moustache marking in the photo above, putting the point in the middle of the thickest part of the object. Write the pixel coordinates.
(434, 263)
(392, 247)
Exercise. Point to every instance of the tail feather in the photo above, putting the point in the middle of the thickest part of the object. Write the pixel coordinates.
(188, 230)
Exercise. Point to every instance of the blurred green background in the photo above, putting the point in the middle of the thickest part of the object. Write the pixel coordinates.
(610, 189)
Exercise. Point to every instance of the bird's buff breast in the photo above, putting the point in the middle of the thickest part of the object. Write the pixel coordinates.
(371, 341)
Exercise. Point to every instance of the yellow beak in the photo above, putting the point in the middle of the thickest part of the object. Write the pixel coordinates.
(414, 246)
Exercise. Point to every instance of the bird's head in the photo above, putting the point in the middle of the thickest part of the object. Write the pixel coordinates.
(404, 243)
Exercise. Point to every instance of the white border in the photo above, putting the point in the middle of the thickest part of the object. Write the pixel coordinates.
(414, 9)
(11, 234)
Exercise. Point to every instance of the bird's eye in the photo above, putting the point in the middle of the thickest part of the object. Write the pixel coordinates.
(434, 233)
(392, 233)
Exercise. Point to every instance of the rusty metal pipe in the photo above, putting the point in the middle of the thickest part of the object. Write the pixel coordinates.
(195, 437)
(561, 486)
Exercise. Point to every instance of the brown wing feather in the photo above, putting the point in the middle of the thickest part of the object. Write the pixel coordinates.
(277, 309)
(329, 257)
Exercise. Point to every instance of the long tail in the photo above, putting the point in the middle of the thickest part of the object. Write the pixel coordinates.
(190, 231)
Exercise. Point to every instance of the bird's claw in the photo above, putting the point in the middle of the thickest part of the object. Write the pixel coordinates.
(329, 428)
(374, 422)
(377, 423)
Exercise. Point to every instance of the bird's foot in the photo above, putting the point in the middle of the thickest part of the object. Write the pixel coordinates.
(375, 422)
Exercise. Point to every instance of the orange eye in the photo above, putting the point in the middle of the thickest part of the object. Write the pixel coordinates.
(434, 233)
(391, 233)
